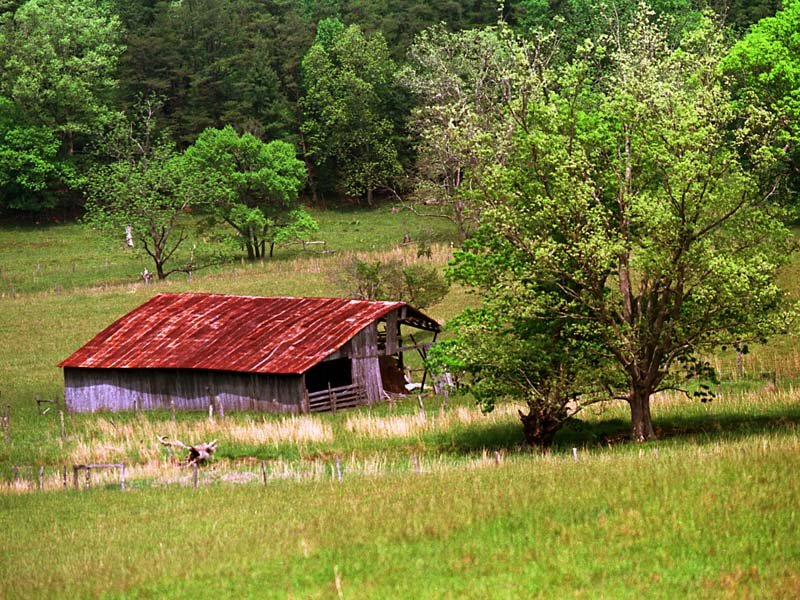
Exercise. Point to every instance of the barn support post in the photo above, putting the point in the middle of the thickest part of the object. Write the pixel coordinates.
(424, 356)
(332, 398)
(366, 371)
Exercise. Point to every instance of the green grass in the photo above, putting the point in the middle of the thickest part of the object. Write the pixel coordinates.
(72, 256)
(717, 521)
(709, 510)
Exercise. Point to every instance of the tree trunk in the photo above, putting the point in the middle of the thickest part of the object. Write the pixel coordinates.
(160, 270)
(641, 422)
(541, 424)
(251, 255)
(271, 248)
(369, 197)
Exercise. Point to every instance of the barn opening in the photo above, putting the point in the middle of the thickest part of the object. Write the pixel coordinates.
(329, 374)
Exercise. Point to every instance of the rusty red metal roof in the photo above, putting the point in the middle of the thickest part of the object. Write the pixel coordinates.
(232, 333)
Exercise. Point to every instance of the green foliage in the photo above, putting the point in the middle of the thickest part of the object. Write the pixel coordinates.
(626, 199)
(28, 162)
(510, 350)
(250, 185)
(346, 108)
(765, 66)
(461, 83)
(143, 189)
(575, 21)
(217, 63)
(741, 14)
(417, 284)
(59, 59)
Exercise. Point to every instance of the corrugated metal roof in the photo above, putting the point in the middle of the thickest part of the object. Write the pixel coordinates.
(231, 333)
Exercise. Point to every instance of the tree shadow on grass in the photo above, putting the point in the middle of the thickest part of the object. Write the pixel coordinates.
(698, 429)
(497, 436)
(690, 428)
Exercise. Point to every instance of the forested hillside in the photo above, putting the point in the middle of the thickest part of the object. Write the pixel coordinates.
(321, 75)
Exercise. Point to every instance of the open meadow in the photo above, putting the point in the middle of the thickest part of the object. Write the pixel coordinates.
(419, 499)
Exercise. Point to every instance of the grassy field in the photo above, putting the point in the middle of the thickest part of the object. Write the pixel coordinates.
(440, 503)
(72, 256)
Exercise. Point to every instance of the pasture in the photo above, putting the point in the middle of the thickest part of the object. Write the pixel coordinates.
(437, 501)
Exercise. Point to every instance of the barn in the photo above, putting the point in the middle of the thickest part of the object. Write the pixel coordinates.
(270, 354)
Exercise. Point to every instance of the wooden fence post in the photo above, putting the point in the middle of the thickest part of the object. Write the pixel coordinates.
(575, 454)
(41, 477)
(415, 462)
(338, 468)
(75, 476)
(331, 397)
(88, 477)
(122, 476)
(64, 475)
(5, 421)
(497, 458)
(63, 429)
(194, 475)
(264, 472)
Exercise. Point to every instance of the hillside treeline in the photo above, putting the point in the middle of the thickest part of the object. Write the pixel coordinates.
(341, 81)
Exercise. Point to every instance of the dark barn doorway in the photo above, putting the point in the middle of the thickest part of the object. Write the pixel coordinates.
(331, 373)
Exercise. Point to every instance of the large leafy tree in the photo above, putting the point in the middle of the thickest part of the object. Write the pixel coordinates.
(626, 200)
(59, 59)
(57, 80)
(250, 185)
(142, 191)
(349, 90)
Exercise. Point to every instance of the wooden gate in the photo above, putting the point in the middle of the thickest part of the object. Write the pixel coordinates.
(333, 399)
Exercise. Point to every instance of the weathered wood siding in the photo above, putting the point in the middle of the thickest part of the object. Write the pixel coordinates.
(90, 390)
(366, 369)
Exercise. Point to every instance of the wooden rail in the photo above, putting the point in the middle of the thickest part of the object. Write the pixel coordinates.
(346, 396)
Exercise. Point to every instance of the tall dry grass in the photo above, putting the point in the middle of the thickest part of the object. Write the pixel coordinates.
(104, 440)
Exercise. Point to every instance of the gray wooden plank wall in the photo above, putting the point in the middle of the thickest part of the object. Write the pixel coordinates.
(90, 390)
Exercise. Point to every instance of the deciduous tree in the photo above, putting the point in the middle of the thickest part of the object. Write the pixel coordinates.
(142, 188)
(59, 59)
(626, 198)
(348, 93)
(250, 185)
